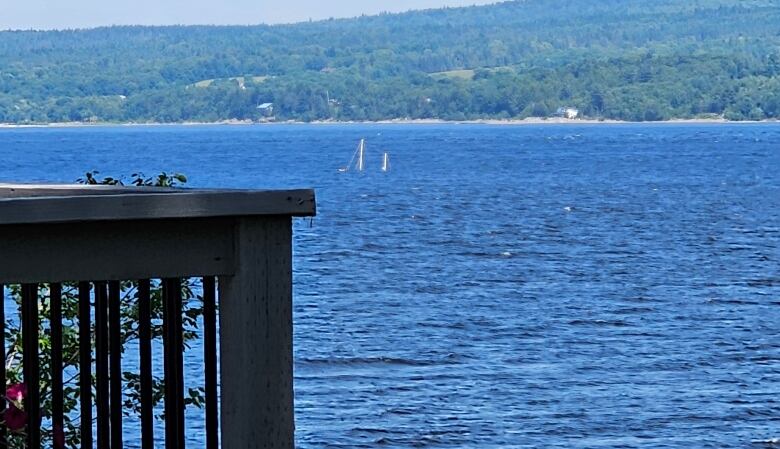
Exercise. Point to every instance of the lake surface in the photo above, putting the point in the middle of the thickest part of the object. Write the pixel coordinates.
(504, 287)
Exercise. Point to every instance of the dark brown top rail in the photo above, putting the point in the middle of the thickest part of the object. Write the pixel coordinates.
(28, 204)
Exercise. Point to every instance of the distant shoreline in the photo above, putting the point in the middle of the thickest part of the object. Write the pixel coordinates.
(509, 122)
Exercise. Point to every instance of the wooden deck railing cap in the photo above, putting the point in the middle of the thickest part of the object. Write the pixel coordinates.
(37, 204)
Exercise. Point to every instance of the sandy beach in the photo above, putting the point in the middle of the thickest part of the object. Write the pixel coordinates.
(493, 122)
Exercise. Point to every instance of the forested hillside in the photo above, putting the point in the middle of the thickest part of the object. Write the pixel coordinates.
(617, 59)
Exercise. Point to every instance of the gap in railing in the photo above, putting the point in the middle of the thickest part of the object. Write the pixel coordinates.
(196, 366)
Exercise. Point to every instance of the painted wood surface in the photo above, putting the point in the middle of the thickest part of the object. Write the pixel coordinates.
(119, 250)
(256, 339)
(66, 208)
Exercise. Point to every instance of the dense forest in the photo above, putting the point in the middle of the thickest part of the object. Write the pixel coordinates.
(612, 59)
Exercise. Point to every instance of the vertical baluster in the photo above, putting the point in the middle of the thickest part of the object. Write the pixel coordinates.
(210, 358)
(179, 335)
(32, 404)
(101, 365)
(115, 362)
(85, 365)
(169, 426)
(3, 433)
(174, 385)
(170, 442)
(145, 346)
(55, 323)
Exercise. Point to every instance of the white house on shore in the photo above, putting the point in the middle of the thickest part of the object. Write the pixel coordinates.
(567, 112)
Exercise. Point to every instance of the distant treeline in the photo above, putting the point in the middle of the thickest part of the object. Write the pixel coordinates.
(613, 59)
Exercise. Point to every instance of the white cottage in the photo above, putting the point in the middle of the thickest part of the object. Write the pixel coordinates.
(567, 112)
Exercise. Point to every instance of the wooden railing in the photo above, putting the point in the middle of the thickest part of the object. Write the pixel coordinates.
(238, 242)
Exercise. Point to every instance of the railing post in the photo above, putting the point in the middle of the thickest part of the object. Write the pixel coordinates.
(256, 338)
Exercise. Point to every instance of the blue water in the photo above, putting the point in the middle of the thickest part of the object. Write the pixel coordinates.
(504, 287)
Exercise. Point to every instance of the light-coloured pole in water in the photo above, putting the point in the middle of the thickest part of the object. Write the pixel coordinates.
(360, 155)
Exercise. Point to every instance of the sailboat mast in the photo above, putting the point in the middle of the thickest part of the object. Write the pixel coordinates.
(360, 154)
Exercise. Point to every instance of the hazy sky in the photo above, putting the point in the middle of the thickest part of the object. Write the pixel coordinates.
(49, 14)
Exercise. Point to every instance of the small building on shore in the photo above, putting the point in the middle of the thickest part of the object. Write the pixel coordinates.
(567, 112)
(266, 109)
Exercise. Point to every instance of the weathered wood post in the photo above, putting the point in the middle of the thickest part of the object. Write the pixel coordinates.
(256, 338)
